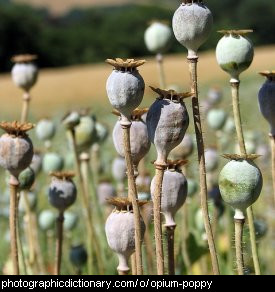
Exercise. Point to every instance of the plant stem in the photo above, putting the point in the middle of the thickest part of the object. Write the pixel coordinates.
(170, 232)
(133, 264)
(123, 273)
(59, 239)
(272, 140)
(200, 148)
(238, 245)
(185, 234)
(132, 195)
(149, 250)
(159, 59)
(235, 85)
(25, 107)
(157, 218)
(13, 225)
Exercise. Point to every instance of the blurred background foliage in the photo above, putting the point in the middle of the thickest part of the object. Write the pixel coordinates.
(94, 34)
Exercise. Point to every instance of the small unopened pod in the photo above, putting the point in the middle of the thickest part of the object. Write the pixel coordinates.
(71, 120)
(139, 139)
(266, 98)
(211, 159)
(192, 187)
(78, 255)
(120, 232)
(229, 126)
(184, 149)
(216, 119)
(85, 132)
(125, 86)
(101, 132)
(119, 169)
(70, 220)
(52, 162)
(158, 37)
(16, 149)
(62, 191)
(105, 191)
(174, 191)
(45, 129)
(192, 24)
(240, 181)
(214, 95)
(167, 121)
(234, 52)
(36, 163)
(46, 220)
(26, 179)
(24, 72)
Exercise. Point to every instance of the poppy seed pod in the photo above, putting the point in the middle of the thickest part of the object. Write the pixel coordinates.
(125, 86)
(24, 72)
(70, 220)
(26, 179)
(16, 149)
(240, 182)
(105, 191)
(192, 187)
(119, 169)
(266, 98)
(184, 149)
(174, 192)
(211, 159)
(46, 220)
(234, 52)
(71, 119)
(214, 95)
(167, 121)
(143, 182)
(229, 126)
(45, 129)
(62, 191)
(250, 147)
(158, 37)
(101, 132)
(216, 119)
(120, 231)
(192, 24)
(139, 140)
(78, 255)
(85, 132)
(52, 162)
(36, 163)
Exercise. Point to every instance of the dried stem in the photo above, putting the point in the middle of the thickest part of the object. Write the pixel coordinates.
(272, 140)
(59, 239)
(170, 232)
(13, 225)
(200, 146)
(238, 124)
(159, 59)
(133, 264)
(25, 107)
(238, 245)
(123, 273)
(157, 219)
(132, 195)
(185, 234)
(149, 250)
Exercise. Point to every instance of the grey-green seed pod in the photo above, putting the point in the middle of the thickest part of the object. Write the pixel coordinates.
(211, 159)
(250, 147)
(119, 169)
(173, 195)
(85, 133)
(192, 187)
(240, 183)
(120, 233)
(125, 86)
(24, 72)
(266, 98)
(78, 255)
(45, 129)
(32, 201)
(26, 179)
(234, 53)
(167, 121)
(52, 162)
(192, 24)
(101, 132)
(158, 37)
(229, 126)
(216, 119)
(71, 120)
(70, 220)
(214, 95)
(105, 191)
(36, 163)
(62, 191)
(46, 220)
(184, 149)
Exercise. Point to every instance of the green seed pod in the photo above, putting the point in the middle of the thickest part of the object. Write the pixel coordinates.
(266, 98)
(234, 53)
(70, 220)
(192, 187)
(85, 133)
(71, 120)
(52, 162)
(46, 220)
(260, 228)
(158, 37)
(240, 183)
(214, 95)
(216, 119)
(211, 159)
(101, 133)
(229, 126)
(26, 179)
(45, 129)
(192, 24)
(36, 163)
(78, 255)
(32, 201)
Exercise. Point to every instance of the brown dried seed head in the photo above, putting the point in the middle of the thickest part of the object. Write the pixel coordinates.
(241, 157)
(136, 114)
(15, 128)
(268, 74)
(235, 32)
(171, 94)
(26, 58)
(123, 203)
(119, 63)
(176, 164)
(64, 175)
